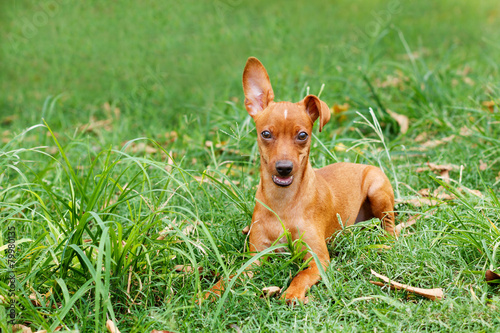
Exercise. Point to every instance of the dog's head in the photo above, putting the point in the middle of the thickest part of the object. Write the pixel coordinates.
(284, 129)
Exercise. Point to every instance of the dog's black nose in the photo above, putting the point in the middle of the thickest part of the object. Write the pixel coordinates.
(284, 167)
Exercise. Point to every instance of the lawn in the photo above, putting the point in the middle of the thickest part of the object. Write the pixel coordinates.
(126, 152)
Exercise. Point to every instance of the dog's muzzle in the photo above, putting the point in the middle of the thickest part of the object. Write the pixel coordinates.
(284, 168)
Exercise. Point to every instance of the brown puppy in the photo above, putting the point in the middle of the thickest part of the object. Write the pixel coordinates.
(306, 200)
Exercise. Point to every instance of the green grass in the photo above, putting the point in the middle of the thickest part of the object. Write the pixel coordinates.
(155, 81)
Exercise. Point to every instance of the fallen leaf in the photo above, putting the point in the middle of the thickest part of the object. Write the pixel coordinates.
(245, 230)
(445, 175)
(421, 137)
(490, 105)
(402, 120)
(465, 71)
(482, 166)
(171, 136)
(141, 147)
(271, 291)
(201, 179)
(165, 231)
(186, 269)
(111, 327)
(433, 294)
(235, 327)
(492, 277)
(440, 194)
(465, 131)
(95, 125)
(418, 202)
(443, 169)
(340, 147)
(9, 119)
(156, 331)
(477, 193)
(188, 230)
(425, 192)
(469, 81)
(170, 162)
(434, 143)
(34, 300)
(437, 167)
(339, 110)
(21, 329)
(411, 221)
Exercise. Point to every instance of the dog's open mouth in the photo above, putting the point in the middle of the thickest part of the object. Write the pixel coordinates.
(282, 181)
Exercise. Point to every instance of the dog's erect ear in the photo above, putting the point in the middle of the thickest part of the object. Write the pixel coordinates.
(317, 108)
(257, 87)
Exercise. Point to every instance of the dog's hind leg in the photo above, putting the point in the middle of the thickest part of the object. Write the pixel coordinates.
(380, 195)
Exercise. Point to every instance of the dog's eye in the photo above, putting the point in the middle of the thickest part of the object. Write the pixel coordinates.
(302, 136)
(266, 134)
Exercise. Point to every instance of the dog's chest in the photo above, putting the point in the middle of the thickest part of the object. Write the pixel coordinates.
(290, 219)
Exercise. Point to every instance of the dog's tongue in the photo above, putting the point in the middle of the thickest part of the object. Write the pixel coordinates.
(282, 181)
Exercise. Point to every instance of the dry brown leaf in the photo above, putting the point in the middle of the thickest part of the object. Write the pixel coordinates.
(491, 276)
(340, 147)
(425, 192)
(339, 110)
(443, 169)
(201, 179)
(188, 230)
(467, 80)
(477, 193)
(34, 300)
(465, 131)
(21, 329)
(245, 230)
(418, 202)
(9, 119)
(94, 125)
(57, 329)
(421, 137)
(482, 166)
(433, 294)
(411, 221)
(437, 167)
(186, 269)
(445, 175)
(170, 162)
(164, 232)
(402, 120)
(271, 291)
(490, 105)
(156, 331)
(111, 327)
(141, 147)
(434, 143)
(111, 112)
(444, 196)
(236, 328)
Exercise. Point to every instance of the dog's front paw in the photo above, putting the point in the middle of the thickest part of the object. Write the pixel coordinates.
(294, 296)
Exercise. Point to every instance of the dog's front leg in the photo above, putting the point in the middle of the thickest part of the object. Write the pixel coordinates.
(310, 276)
(220, 286)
